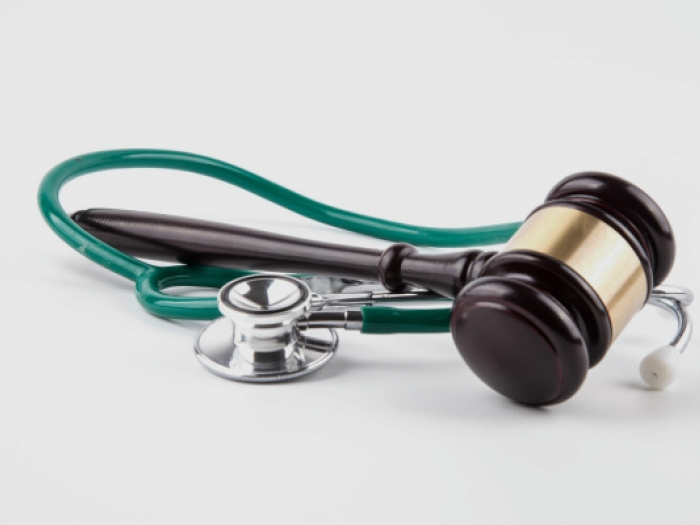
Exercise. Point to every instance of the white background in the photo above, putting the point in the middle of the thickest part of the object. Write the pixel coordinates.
(444, 113)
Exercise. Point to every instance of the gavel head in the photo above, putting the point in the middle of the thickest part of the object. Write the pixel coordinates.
(547, 308)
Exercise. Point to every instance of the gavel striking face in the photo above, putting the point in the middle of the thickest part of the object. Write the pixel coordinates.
(529, 321)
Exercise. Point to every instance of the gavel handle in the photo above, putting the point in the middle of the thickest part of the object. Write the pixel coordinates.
(192, 241)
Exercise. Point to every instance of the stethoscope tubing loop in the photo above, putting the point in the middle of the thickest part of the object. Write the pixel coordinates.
(152, 280)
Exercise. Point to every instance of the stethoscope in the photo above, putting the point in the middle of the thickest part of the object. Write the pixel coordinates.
(529, 320)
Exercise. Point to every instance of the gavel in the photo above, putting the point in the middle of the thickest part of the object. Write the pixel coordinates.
(529, 320)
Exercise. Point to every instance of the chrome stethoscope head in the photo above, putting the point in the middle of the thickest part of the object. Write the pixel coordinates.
(257, 340)
(259, 337)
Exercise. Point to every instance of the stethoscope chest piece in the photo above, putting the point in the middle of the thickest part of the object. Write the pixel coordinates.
(258, 340)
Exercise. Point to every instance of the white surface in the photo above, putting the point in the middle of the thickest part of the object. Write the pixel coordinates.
(445, 113)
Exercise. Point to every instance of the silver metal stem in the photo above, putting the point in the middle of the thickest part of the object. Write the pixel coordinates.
(370, 298)
(675, 299)
(678, 293)
(334, 318)
(336, 291)
(336, 301)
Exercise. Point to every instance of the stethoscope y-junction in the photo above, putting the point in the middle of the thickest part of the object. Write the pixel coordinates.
(529, 320)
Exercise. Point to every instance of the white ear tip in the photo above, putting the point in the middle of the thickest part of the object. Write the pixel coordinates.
(658, 369)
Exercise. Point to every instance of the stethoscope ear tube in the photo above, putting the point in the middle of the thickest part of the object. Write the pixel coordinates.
(659, 368)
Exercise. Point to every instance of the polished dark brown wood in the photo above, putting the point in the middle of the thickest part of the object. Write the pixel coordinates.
(529, 326)
(519, 340)
(574, 294)
(192, 241)
(626, 204)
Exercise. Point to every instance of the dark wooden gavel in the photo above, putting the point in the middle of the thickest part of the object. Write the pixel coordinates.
(529, 320)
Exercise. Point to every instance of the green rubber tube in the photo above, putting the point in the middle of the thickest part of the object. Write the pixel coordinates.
(151, 280)
(387, 320)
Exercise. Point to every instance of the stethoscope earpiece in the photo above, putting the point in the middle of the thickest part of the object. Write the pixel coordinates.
(660, 368)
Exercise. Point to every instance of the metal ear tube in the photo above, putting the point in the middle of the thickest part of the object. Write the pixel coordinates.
(659, 368)
(529, 320)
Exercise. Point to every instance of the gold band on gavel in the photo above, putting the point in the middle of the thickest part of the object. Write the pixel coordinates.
(592, 249)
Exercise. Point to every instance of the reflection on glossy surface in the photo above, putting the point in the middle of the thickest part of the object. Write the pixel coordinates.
(264, 294)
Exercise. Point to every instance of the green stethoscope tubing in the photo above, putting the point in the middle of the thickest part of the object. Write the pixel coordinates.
(151, 280)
